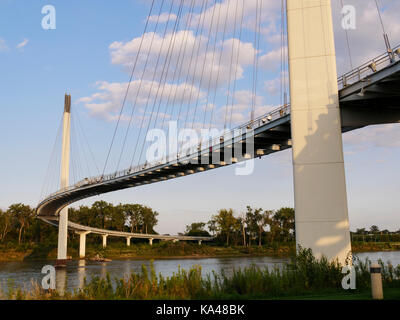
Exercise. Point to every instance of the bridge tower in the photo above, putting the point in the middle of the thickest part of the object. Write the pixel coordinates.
(319, 177)
(65, 157)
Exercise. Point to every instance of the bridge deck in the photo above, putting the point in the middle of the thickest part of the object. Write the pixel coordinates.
(373, 87)
(80, 228)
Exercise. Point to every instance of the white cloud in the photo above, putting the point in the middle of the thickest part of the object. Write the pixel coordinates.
(3, 45)
(22, 44)
(107, 102)
(189, 75)
(185, 43)
(163, 18)
(379, 136)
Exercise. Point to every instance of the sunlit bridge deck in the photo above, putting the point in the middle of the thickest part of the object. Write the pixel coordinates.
(368, 95)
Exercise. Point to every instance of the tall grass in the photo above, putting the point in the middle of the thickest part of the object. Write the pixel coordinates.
(304, 275)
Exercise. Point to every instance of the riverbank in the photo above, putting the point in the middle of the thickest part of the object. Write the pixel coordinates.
(302, 278)
(169, 250)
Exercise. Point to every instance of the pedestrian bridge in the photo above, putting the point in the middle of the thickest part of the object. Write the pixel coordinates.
(85, 230)
(312, 123)
(368, 95)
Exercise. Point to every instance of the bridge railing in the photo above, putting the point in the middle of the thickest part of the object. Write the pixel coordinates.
(232, 133)
(347, 79)
(370, 67)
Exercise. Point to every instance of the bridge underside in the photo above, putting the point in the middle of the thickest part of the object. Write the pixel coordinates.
(373, 100)
(72, 226)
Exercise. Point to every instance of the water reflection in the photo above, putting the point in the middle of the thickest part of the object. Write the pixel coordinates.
(21, 273)
(61, 280)
(81, 273)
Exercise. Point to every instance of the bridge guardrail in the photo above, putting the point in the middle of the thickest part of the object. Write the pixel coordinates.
(348, 78)
(369, 68)
(238, 131)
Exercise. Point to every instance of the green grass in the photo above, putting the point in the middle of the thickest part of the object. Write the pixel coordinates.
(303, 278)
(118, 250)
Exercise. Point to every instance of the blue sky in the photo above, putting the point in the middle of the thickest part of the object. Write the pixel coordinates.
(38, 66)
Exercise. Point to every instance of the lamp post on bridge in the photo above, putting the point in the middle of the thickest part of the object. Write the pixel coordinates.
(65, 157)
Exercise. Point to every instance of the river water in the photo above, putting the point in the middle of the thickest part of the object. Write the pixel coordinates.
(21, 274)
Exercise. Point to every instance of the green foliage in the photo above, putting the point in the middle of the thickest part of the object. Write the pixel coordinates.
(303, 276)
(197, 229)
(251, 226)
(134, 218)
(224, 223)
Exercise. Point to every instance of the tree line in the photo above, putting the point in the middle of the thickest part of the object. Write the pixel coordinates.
(18, 224)
(255, 226)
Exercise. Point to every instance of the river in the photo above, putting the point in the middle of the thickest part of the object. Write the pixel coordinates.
(21, 274)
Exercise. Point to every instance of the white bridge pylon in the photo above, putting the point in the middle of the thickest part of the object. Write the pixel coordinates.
(65, 158)
(321, 214)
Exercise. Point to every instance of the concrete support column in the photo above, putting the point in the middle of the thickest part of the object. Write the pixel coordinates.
(175, 240)
(65, 155)
(151, 241)
(319, 178)
(82, 243)
(128, 241)
(200, 241)
(105, 240)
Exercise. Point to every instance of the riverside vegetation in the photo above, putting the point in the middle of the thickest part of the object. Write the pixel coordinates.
(302, 278)
(253, 232)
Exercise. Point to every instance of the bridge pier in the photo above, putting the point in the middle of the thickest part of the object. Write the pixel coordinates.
(200, 241)
(105, 240)
(318, 164)
(65, 155)
(82, 243)
(151, 241)
(128, 241)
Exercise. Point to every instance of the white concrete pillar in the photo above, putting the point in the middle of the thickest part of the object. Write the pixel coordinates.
(105, 240)
(82, 243)
(200, 241)
(151, 241)
(63, 216)
(128, 241)
(175, 240)
(319, 178)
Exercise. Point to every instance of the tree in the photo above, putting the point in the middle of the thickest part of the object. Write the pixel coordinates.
(266, 220)
(224, 223)
(5, 224)
(118, 219)
(134, 216)
(102, 213)
(285, 219)
(149, 220)
(21, 213)
(242, 222)
(361, 231)
(197, 229)
(374, 229)
(252, 220)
